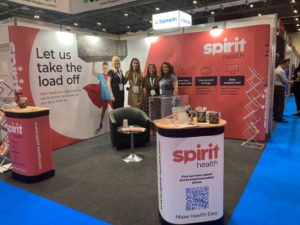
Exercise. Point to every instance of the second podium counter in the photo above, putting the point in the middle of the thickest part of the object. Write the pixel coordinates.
(190, 164)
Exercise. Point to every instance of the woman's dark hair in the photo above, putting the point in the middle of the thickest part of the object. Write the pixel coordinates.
(131, 68)
(171, 70)
(155, 72)
(130, 73)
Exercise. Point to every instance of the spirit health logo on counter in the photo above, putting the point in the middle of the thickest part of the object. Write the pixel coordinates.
(16, 129)
(198, 154)
(238, 45)
(204, 156)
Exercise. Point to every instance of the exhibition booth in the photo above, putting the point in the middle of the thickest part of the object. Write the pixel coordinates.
(227, 69)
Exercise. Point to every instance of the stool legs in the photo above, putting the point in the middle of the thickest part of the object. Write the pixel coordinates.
(132, 157)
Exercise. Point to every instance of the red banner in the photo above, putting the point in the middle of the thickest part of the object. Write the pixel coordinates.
(225, 71)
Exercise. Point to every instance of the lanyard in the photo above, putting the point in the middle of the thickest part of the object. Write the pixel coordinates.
(151, 81)
(120, 76)
(135, 77)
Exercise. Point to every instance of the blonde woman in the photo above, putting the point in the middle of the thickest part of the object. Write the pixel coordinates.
(135, 77)
(116, 82)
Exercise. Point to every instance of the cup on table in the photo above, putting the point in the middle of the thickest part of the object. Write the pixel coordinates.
(214, 117)
(125, 123)
(201, 117)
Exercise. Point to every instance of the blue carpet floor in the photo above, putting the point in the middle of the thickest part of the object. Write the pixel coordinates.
(272, 196)
(21, 207)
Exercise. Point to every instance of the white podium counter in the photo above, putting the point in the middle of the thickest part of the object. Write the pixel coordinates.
(190, 167)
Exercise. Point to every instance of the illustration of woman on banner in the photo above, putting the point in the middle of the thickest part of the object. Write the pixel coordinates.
(99, 93)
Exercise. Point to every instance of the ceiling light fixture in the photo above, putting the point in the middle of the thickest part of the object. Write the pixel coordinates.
(36, 16)
(75, 24)
(259, 14)
(157, 9)
(251, 5)
(293, 1)
(215, 31)
(298, 25)
(212, 12)
(128, 27)
(99, 24)
(104, 29)
(125, 14)
(195, 2)
(296, 19)
(295, 11)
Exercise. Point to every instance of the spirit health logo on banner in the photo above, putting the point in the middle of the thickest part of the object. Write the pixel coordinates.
(190, 178)
(54, 76)
(217, 71)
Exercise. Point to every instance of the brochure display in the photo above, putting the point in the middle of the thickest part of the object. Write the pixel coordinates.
(30, 144)
(190, 165)
(161, 106)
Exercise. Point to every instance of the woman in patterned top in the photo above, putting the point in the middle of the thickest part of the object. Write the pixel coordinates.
(168, 85)
(135, 77)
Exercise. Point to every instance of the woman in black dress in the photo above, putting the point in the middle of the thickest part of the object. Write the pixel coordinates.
(116, 82)
(151, 87)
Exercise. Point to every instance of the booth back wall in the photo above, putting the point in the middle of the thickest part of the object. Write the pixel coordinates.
(226, 73)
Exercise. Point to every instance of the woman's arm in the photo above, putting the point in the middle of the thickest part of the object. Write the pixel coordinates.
(144, 86)
(109, 88)
(175, 86)
(126, 77)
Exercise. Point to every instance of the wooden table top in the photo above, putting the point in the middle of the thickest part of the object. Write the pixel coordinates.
(168, 123)
(28, 109)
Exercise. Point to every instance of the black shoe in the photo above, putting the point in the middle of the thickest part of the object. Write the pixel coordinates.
(282, 121)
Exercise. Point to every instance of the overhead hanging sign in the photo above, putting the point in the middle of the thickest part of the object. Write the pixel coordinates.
(61, 6)
(72, 7)
(173, 19)
(79, 6)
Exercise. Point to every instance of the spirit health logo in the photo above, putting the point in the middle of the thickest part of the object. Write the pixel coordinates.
(237, 45)
(199, 154)
(15, 129)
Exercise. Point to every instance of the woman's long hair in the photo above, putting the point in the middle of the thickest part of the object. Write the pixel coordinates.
(130, 72)
(114, 58)
(171, 70)
(148, 72)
